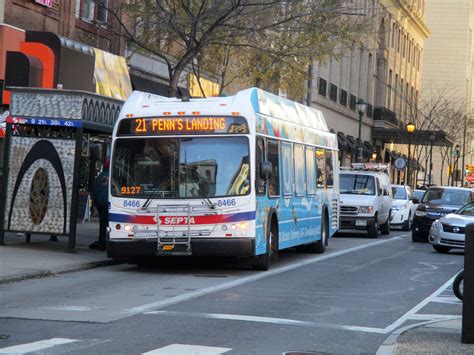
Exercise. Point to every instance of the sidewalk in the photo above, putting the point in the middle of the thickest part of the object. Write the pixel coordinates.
(440, 337)
(20, 260)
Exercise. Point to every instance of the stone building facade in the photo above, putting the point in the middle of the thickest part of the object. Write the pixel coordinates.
(447, 73)
(385, 72)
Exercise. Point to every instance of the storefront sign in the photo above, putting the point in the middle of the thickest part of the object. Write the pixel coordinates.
(47, 3)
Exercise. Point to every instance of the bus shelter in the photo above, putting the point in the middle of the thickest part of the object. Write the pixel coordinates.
(47, 158)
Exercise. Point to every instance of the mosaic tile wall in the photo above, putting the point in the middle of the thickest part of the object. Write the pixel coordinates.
(38, 204)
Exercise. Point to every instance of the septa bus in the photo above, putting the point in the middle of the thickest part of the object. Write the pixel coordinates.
(246, 176)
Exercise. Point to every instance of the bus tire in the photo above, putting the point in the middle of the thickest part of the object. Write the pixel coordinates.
(262, 262)
(320, 246)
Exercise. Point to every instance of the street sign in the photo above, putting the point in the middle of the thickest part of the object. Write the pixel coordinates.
(470, 177)
(400, 163)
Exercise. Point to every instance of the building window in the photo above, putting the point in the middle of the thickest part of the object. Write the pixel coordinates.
(370, 109)
(395, 95)
(94, 11)
(343, 97)
(352, 103)
(333, 93)
(322, 87)
(389, 93)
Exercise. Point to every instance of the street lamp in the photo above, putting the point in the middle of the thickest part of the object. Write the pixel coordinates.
(410, 129)
(374, 155)
(457, 149)
(361, 106)
(430, 178)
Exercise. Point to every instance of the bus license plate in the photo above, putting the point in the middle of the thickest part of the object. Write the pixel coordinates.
(361, 222)
(167, 248)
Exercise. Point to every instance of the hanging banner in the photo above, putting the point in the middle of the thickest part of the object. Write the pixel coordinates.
(210, 88)
(47, 3)
(111, 75)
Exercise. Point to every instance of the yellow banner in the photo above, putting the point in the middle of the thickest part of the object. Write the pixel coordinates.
(111, 75)
(210, 88)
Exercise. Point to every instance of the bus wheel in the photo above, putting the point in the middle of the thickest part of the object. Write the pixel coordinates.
(262, 262)
(320, 245)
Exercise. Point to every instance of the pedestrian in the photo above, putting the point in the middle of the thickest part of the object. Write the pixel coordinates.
(100, 197)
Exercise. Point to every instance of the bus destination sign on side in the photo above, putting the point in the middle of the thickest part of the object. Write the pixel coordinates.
(183, 125)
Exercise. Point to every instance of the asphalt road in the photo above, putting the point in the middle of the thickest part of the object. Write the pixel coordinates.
(347, 300)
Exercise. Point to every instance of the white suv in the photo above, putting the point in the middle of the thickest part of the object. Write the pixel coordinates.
(365, 201)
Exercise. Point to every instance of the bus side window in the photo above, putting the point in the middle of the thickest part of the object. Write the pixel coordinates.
(259, 158)
(329, 169)
(310, 171)
(273, 157)
(299, 169)
(321, 174)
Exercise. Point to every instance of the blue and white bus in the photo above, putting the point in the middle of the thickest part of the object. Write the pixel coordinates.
(246, 175)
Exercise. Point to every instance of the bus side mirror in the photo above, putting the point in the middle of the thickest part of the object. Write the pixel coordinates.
(415, 200)
(266, 170)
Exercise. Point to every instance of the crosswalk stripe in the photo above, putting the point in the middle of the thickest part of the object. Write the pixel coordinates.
(185, 349)
(35, 346)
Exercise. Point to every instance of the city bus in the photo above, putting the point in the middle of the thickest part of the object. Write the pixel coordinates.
(244, 176)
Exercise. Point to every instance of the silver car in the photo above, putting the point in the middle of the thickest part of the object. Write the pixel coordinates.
(449, 232)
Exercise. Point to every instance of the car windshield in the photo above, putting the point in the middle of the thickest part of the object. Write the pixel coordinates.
(446, 197)
(418, 194)
(399, 193)
(181, 167)
(356, 184)
(467, 210)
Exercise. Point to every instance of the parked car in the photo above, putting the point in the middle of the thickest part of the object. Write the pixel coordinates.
(403, 208)
(450, 231)
(437, 202)
(365, 200)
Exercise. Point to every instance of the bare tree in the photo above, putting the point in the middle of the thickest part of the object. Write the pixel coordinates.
(439, 111)
(275, 32)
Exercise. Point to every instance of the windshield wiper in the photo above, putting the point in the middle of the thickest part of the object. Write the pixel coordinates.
(210, 203)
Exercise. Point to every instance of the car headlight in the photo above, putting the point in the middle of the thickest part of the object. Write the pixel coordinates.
(437, 225)
(420, 213)
(366, 209)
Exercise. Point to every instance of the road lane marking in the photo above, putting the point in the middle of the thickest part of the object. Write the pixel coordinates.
(185, 349)
(411, 313)
(252, 278)
(268, 320)
(36, 346)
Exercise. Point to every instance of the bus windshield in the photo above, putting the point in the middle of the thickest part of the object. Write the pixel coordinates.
(181, 167)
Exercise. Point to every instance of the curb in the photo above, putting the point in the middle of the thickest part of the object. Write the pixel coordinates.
(389, 344)
(58, 270)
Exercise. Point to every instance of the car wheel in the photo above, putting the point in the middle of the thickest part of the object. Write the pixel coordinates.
(373, 230)
(407, 224)
(441, 249)
(385, 228)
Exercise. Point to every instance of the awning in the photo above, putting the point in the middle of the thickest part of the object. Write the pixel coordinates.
(367, 149)
(341, 141)
(419, 137)
(351, 143)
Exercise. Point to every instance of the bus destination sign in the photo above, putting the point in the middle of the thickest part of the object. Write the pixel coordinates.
(183, 125)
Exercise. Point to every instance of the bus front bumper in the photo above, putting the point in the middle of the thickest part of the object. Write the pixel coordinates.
(130, 249)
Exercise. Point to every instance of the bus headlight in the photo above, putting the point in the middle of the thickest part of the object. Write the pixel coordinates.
(128, 228)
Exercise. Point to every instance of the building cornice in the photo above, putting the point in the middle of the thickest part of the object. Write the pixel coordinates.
(417, 20)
